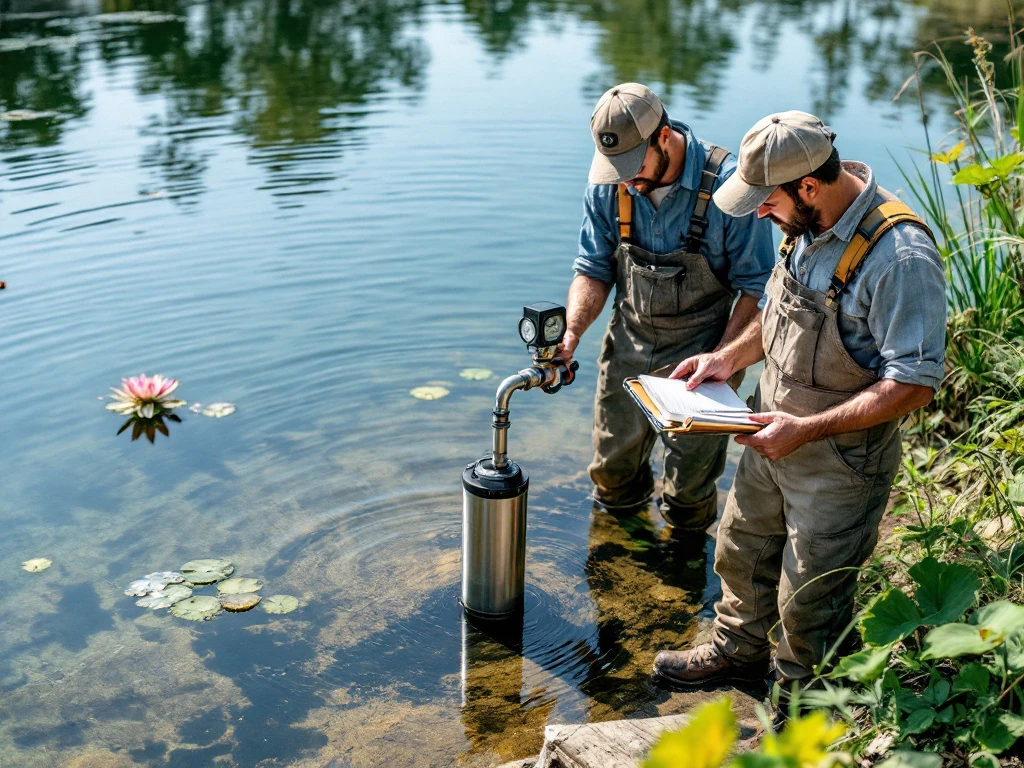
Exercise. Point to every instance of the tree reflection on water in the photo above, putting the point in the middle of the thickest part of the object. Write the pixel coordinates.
(297, 80)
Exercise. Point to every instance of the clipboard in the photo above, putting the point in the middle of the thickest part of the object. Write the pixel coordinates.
(691, 426)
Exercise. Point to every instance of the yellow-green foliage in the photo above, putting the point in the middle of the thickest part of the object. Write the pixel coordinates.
(708, 740)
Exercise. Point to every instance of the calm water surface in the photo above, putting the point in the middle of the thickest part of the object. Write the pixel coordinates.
(308, 209)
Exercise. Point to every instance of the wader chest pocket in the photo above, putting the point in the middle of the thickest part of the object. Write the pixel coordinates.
(796, 340)
(656, 291)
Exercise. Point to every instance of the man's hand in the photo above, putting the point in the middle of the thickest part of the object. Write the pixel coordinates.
(783, 435)
(567, 347)
(711, 366)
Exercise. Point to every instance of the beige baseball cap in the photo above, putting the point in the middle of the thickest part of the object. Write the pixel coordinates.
(623, 121)
(782, 147)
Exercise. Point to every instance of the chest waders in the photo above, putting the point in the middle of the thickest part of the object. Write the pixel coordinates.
(790, 522)
(667, 306)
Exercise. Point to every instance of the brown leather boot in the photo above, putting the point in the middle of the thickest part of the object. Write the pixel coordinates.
(703, 665)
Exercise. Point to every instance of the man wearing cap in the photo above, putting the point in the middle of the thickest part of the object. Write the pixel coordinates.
(687, 278)
(853, 338)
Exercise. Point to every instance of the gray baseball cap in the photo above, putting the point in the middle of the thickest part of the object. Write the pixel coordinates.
(623, 121)
(782, 147)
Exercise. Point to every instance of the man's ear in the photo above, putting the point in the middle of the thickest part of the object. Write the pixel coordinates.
(810, 187)
(663, 136)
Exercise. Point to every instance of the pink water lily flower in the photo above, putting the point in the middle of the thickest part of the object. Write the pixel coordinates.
(144, 396)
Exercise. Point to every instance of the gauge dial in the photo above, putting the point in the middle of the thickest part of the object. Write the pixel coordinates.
(527, 330)
(553, 327)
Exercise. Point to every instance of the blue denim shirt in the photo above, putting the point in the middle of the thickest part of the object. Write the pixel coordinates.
(892, 315)
(738, 250)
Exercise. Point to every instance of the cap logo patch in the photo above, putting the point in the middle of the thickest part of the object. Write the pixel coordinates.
(609, 140)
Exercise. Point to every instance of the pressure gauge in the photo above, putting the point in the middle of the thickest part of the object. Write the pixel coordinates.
(527, 330)
(542, 326)
(553, 328)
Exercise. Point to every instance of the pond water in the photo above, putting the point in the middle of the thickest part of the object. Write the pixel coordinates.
(307, 209)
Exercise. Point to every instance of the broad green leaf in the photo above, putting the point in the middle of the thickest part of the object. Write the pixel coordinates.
(1001, 617)
(906, 758)
(973, 678)
(1000, 731)
(1004, 166)
(974, 175)
(891, 617)
(166, 597)
(919, 721)
(937, 692)
(864, 666)
(704, 742)
(945, 716)
(989, 627)
(945, 591)
(203, 566)
(953, 640)
(948, 157)
(1015, 653)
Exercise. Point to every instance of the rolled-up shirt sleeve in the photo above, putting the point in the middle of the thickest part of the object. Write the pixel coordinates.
(748, 245)
(907, 316)
(598, 239)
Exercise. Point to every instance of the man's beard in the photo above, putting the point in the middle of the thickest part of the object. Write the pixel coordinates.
(645, 186)
(806, 219)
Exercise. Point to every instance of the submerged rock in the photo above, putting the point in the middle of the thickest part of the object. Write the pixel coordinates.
(239, 602)
(280, 604)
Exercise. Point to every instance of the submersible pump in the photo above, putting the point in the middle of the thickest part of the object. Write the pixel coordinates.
(494, 489)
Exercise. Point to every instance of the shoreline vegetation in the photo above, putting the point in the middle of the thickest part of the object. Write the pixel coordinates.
(939, 677)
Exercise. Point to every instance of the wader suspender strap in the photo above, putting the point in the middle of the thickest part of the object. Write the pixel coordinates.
(699, 220)
(625, 217)
(875, 223)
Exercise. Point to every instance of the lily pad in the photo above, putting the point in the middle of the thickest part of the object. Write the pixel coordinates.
(218, 410)
(167, 577)
(239, 585)
(143, 587)
(201, 578)
(476, 374)
(239, 602)
(166, 597)
(202, 566)
(429, 393)
(280, 604)
(36, 564)
(197, 608)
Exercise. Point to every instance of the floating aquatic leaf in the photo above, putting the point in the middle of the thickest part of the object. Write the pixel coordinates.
(142, 587)
(239, 585)
(36, 564)
(20, 115)
(195, 408)
(167, 577)
(280, 604)
(429, 393)
(476, 374)
(199, 578)
(166, 597)
(202, 566)
(239, 602)
(197, 608)
(218, 410)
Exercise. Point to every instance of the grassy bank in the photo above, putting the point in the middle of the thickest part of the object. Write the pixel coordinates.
(938, 680)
